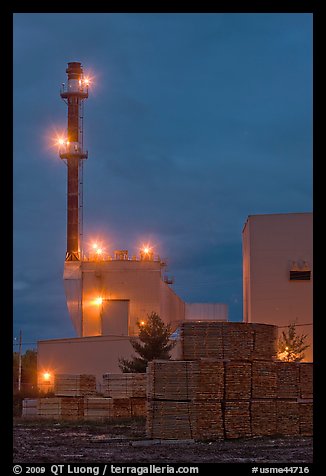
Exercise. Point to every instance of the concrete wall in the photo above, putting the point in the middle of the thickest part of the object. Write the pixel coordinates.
(140, 282)
(86, 355)
(272, 246)
(206, 311)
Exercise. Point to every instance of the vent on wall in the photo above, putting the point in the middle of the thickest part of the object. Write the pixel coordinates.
(300, 275)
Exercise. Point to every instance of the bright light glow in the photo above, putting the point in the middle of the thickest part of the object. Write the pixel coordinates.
(142, 323)
(87, 80)
(46, 376)
(61, 141)
(286, 348)
(98, 301)
(146, 250)
(99, 251)
(94, 246)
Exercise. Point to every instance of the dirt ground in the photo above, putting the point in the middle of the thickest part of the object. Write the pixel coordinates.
(108, 442)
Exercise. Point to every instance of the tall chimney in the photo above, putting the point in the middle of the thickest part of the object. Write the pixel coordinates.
(72, 152)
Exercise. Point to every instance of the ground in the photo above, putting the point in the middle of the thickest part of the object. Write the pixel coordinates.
(109, 442)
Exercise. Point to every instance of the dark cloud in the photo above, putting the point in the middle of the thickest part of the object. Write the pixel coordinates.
(194, 122)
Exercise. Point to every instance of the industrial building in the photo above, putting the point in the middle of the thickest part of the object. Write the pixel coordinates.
(107, 294)
(278, 272)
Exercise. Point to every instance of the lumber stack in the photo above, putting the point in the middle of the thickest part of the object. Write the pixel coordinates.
(237, 380)
(263, 379)
(263, 417)
(306, 380)
(237, 419)
(124, 385)
(184, 399)
(287, 378)
(121, 408)
(306, 418)
(69, 408)
(97, 408)
(29, 408)
(170, 420)
(69, 385)
(228, 340)
(138, 406)
(288, 418)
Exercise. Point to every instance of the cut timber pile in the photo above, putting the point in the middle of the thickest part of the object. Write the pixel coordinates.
(287, 374)
(185, 380)
(237, 380)
(288, 417)
(263, 417)
(138, 406)
(228, 340)
(97, 408)
(170, 420)
(124, 385)
(208, 420)
(306, 380)
(237, 419)
(61, 407)
(29, 407)
(306, 418)
(121, 408)
(74, 385)
(263, 380)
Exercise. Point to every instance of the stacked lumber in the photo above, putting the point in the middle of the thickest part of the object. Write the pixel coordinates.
(69, 385)
(210, 380)
(202, 339)
(171, 380)
(306, 380)
(237, 380)
(288, 418)
(69, 408)
(263, 379)
(138, 406)
(121, 408)
(263, 417)
(96, 408)
(170, 420)
(124, 385)
(238, 341)
(287, 377)
(306, 418)
(265, 341)
(237, 419)
(29, 408)
(208, 420)
(228, 340)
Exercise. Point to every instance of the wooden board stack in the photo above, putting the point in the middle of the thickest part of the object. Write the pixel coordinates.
(237, 380)
(263, 379)
(306, 380)
(29, 408)
(306, 418)
(228, 340)
(121, 408)
(70, 408)
(170, 420)
(97, 408)
(187, 394)
(237, 419)
(74, 385)
(138, 406)
(288, 418)
(124, 385)
(263, 417)
(287, 376)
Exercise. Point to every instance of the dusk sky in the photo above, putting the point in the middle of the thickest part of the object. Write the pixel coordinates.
(193, 122)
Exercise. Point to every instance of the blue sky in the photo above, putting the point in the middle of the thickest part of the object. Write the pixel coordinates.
(193, 122)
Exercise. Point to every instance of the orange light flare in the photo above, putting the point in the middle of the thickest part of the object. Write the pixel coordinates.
(98, 301)
(142, 323)
(47, 376)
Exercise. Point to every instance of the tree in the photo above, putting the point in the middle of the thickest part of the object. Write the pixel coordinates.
(291, 346)
(152, 343)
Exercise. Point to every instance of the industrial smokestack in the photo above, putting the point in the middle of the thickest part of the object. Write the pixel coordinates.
(72, 152)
